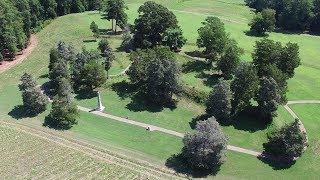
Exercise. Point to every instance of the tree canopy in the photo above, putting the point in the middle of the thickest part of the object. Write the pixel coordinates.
(205, 148)
(153, 20)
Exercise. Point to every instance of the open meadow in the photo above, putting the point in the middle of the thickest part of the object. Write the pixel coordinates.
(120, 100)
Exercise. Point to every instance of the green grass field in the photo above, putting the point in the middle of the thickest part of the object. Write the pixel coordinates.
(157, 147)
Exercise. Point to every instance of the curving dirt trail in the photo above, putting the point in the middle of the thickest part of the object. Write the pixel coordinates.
(6, 65)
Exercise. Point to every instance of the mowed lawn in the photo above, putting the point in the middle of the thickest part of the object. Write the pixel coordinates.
(74, 29)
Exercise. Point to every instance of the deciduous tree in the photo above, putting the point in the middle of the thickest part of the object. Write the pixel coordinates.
(205, 148)
(219, 101)
(154, 19)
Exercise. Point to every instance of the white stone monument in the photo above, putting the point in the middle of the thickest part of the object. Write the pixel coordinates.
(100, 106)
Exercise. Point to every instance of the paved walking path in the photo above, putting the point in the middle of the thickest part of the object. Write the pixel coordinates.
(156, 128)
(122, 72)
(295, 116)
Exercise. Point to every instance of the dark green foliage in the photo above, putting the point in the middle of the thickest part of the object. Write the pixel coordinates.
(268, 52)
(49, 7)
(87, 72)
(103, 45)
(268, 98)
(127, 43)
(59, 70)
(34, 101)
(12, 35)
(109, 58)
(174, 39)
(154, 19)
(156, 72)
(287, 142)
(27, 82)
(66, 52)
(289, 59)
(95, 29)
(205, 148)
(1, 59)
(259, 5)
(212, 37)
(281, 79)
(293, 15)
(115, 10)
(244, 86)
(263, 22)
(219, 101)
(93, 75)
(296, 15)
(315, 23)
(64, 112)
(229, 59)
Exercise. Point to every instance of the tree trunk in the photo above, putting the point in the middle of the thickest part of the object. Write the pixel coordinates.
(107, 74)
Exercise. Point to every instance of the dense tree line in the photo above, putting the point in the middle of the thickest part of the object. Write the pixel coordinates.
(19, 18)
(292, 15)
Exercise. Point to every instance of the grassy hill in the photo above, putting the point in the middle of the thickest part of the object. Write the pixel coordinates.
(157, 147)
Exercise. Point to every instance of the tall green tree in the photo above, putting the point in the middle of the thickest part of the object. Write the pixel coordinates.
(95, 29)
(174, 39)
(156, 72)
(212, 37)
(289, 59)
(244, 86)
(268, 98)
(206, 147)
(154, 19)
(230, 59)
(93, 75)
(109, 58)
(263, 22)
(315, 23)
(34, 101)
(64, 112)
(115, 10)
(219, 101)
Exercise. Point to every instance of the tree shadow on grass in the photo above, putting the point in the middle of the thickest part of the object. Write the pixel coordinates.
(177, 163)
(81, 95)
(89, 40)
(196, 53)
(254, 34)
(139, 102)
(209, 79)
(195, 66)
(276, 163)
(247, 120)
(49, 123)
(20, 112)
(43, 76)
(124, 89)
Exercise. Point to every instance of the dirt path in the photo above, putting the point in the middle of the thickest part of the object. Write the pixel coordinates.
(33, 42)
(156, 128)
(98, 153)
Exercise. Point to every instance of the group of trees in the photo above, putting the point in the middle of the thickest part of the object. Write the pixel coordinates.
(298, 15)
(263, 22)
(263, 80)
(155, 25)
(19, 18)
(156, 72)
